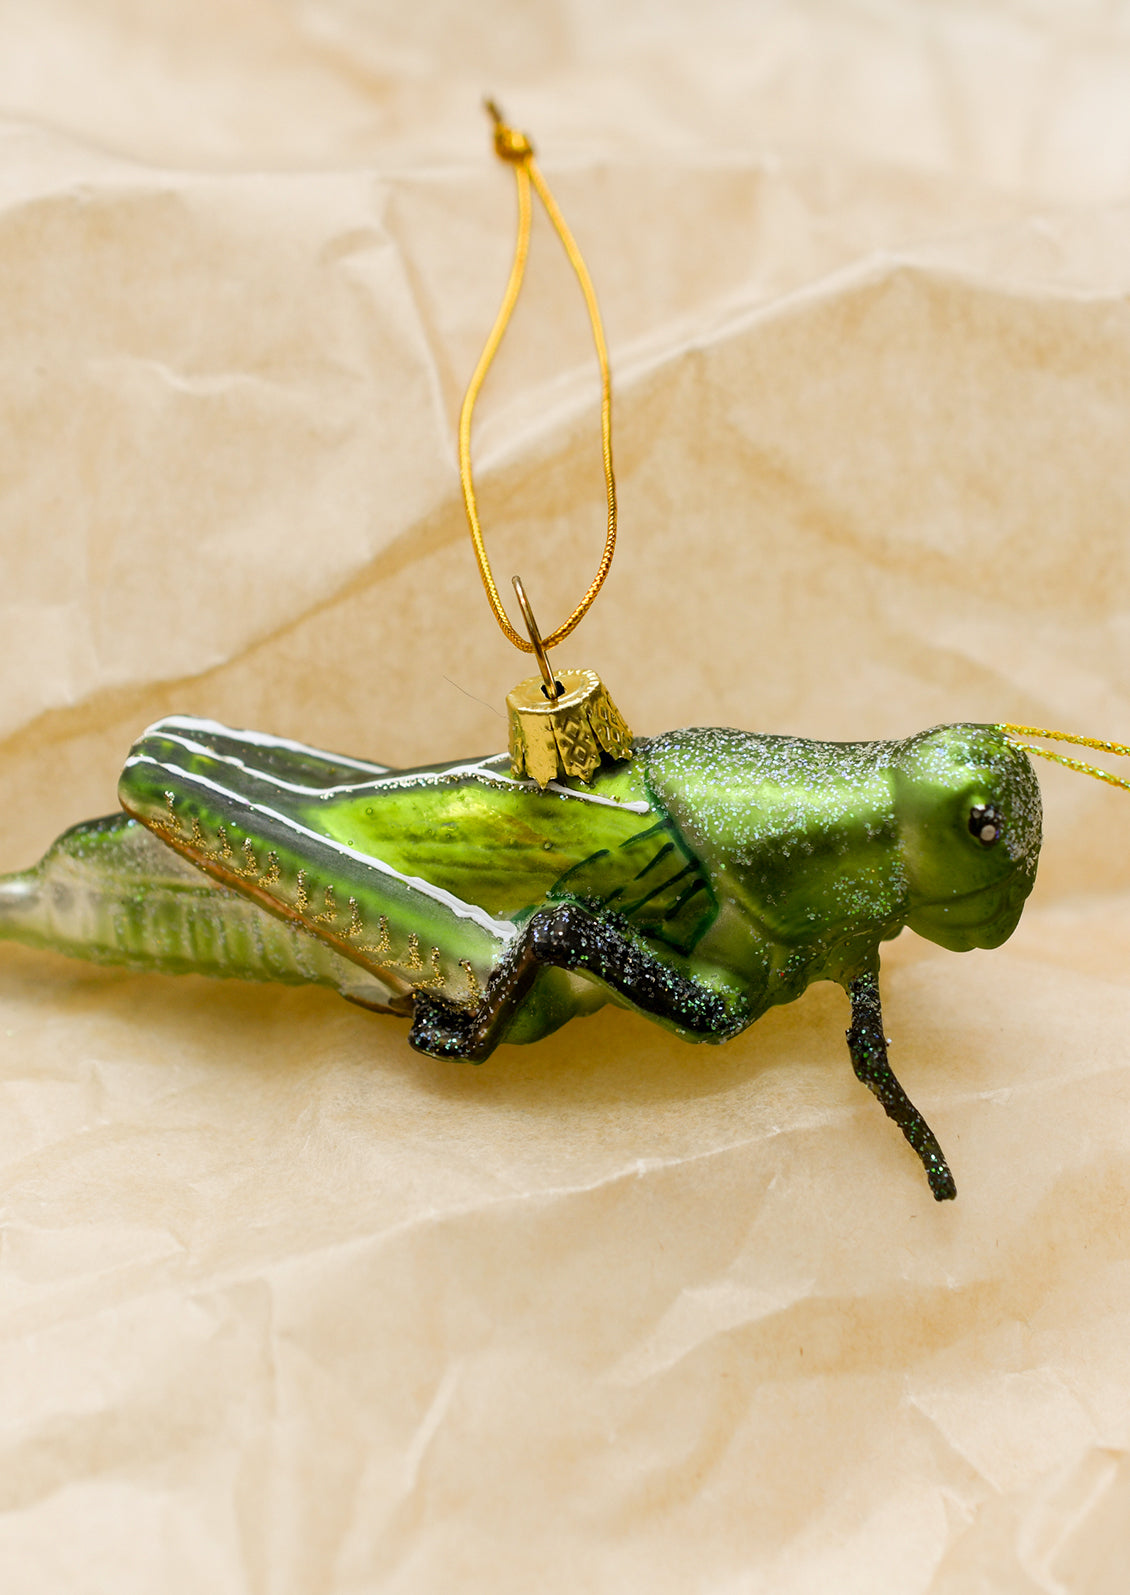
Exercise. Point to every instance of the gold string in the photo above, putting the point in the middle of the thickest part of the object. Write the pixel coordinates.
(1099, 743)
(515, 148)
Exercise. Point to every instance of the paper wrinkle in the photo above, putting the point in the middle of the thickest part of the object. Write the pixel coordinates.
(1042, 1418)
(1060, 1544)
(279, 398)
(284, 1307)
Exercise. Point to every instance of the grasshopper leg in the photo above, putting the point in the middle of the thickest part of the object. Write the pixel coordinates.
(868, 1047)
(570, 937)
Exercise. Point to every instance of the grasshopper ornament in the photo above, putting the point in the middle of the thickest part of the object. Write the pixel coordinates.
(699, 877)
(700, 882)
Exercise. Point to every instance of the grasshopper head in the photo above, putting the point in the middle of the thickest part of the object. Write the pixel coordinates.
(968, 807)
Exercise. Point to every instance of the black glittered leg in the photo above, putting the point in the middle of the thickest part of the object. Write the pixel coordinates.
(444, 1031)
(569, 937)
(868, 1047)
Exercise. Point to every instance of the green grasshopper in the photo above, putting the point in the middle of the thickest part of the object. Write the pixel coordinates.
(714, 874)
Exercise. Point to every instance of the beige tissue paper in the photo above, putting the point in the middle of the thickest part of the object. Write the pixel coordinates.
(286, 1309)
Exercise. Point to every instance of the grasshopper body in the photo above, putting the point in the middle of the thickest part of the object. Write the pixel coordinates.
(713, 875)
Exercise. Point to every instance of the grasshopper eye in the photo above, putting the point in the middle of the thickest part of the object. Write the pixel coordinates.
(986, 824)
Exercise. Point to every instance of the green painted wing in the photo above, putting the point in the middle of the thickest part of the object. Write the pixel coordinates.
(421, 876)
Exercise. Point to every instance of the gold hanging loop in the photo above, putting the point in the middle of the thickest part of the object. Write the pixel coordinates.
(564, 725)
(517, 151)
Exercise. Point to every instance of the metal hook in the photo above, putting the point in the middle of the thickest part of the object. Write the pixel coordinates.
(552, 689)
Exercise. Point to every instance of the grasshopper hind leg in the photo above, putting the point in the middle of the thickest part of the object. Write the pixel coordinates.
(569, 937)
(868, 1047)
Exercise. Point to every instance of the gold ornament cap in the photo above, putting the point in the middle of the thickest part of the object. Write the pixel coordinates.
(567, 735)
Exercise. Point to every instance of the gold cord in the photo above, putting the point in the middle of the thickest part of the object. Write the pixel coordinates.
(515, 148)
(1102, 746)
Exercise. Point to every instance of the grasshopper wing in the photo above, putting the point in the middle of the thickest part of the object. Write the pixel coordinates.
(423, 877)
(109, 891)
(256, 814)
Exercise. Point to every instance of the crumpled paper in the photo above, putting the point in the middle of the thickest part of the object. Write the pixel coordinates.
(287, 1308)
